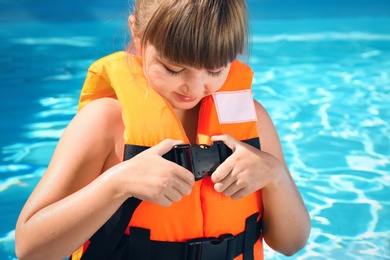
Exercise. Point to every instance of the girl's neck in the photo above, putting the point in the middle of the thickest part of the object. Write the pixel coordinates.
(189, 120)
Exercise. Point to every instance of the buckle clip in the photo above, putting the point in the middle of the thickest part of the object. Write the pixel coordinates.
(181, 153)
(209, 248)
(201, 160)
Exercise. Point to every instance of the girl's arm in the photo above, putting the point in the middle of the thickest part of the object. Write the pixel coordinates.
(87, 181)
(73, 199)
(286, 222)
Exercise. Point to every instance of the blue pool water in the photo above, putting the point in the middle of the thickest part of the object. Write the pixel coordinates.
(322, 69)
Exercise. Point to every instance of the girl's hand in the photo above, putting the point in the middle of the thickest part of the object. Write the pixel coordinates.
(148, 176)
(245, 171)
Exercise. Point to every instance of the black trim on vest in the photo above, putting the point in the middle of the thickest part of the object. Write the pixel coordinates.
(225, 247)
(105, 241)
(108, 242)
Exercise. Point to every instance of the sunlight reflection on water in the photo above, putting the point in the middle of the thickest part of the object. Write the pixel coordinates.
(327, 93)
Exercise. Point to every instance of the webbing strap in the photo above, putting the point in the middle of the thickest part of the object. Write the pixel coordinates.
(139, 236)
(132, 150)
(201, 160)
(106, 240)
(252, 231)
(226, 247)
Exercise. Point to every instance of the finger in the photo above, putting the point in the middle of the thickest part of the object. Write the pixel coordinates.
(184, 187)
(186, 179)
(227, 166)
(240, 194)
(232, 189)
(227, 139)
(165, 146)
(173, 195)
(223, 170)
(164, 201)
(222, 185)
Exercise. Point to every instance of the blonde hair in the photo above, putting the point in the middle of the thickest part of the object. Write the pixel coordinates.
(197, 33)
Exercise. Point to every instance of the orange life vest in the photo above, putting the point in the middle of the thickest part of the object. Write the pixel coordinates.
(148, 120)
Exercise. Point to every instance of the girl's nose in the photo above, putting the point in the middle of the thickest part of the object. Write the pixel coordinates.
(196, 83)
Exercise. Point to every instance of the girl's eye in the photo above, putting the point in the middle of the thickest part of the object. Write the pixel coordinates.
(215, 73)
(173, 72)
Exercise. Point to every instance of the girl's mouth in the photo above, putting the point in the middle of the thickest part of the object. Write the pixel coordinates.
(185, 98)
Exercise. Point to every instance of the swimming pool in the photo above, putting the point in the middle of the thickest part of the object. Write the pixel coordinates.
(322, 71)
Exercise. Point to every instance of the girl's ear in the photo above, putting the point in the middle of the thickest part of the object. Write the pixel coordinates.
(136, 39)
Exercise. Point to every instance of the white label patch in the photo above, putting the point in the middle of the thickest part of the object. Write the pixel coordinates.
(235, 106)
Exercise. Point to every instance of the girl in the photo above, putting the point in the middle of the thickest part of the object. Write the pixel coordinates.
(184, 87)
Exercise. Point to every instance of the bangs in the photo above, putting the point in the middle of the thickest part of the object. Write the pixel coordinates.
(198, 35)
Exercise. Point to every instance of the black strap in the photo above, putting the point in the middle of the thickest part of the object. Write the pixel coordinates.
(106, 240)
(139, 236)
(252, 233)
(201, 160)
(226, 247)
(132, 150)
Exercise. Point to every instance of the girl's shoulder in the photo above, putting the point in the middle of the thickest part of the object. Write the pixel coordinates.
(105, 113)
(94, 136)
(102, 117)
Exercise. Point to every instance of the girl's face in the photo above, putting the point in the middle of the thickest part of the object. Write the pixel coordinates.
(183, 87)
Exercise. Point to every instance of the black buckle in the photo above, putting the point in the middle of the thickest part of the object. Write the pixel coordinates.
(201, 160)
(181, 155)
(209, 248)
